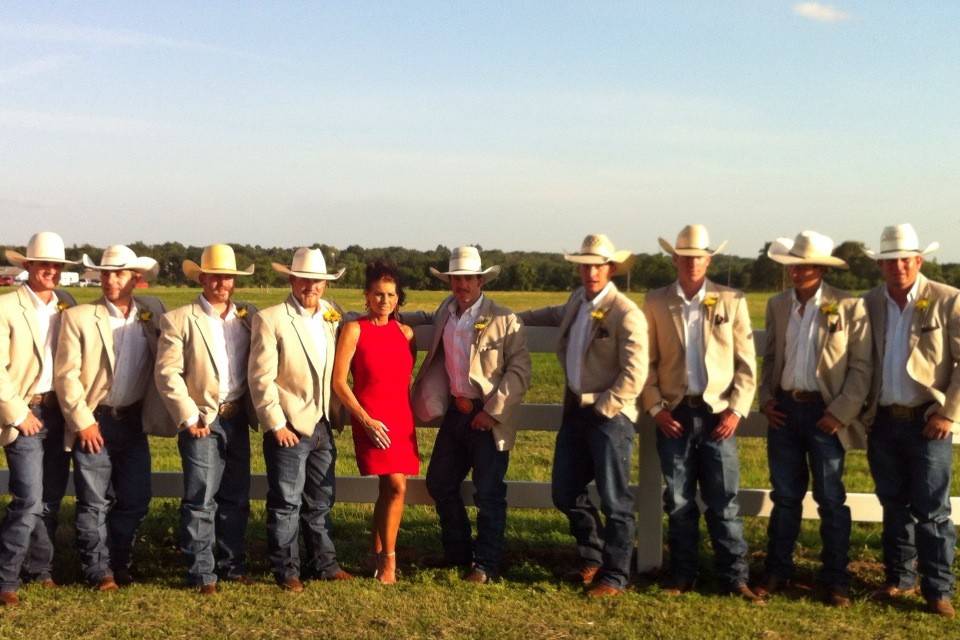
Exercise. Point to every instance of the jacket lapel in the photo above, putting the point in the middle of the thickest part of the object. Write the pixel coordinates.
(483, 312)
(877, 308)
(709, 313)
(826, 297)
(604, 309)
(102, 315)
(203, 328)
(675, 307)
(306, 340)
(919, 319)
(30, 316)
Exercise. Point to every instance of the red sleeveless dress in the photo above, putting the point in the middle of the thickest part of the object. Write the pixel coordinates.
(381, 368)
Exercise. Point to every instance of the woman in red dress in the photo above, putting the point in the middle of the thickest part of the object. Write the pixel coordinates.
(379, 351)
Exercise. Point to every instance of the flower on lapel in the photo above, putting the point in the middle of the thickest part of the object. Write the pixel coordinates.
(829, 309)
(145, 316)
(711, 300)
(241, 312)
(598, 314)
(62, 306)
(481, 323)
(332, 316)
(922, 304)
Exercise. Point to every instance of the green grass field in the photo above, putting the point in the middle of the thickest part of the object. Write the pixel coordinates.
(430, 603)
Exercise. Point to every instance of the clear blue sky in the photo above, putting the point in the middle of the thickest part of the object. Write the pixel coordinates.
(517, 125)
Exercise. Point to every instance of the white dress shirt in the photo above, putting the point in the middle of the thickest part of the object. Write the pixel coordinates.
(896, 386)
(458, 335)
(130, 354)
(800, 363)
(317, 332)
(579, 338)
(693, 314)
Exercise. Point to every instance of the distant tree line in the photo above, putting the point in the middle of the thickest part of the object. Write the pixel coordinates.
(521, 270)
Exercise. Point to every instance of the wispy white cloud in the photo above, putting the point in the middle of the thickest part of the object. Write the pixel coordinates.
(79, 123)
(34, 67)
(820, 12)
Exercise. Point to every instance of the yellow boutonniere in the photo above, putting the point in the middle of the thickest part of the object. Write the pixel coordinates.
(829, 308)
(241, 312)
(598, 314)
(922, 304)
(145, 316)
(481, 324)
(62, 306)
(332, 316)
(711, 300)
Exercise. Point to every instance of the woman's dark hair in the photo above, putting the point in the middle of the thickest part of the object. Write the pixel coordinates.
(381, 270)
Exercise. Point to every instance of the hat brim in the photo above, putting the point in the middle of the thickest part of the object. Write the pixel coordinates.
(623, 259)
(17, 259)
(284, 269)
(192, 270)
(779, 252)
(693, 253)
(489, 274)
(891, 255)
(147, 267)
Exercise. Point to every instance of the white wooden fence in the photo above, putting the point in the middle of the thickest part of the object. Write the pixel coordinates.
(648, 492)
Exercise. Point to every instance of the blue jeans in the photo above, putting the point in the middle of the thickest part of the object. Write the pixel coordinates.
(39, 469)
(113, 496)
(795, 452)
(300, 494)
(216, 500)
(695, 459)
(456, 451)
(912, 477)
(593, 447)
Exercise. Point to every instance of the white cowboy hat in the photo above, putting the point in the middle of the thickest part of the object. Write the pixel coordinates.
(217, 259)
(693, 240)
(118, 257)
(465, 261)
(597, 248)
(45, 246)
(809, 247)
(900, 241)
(307, 263)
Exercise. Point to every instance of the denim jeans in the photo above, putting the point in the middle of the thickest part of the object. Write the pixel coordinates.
(912, 477)
(795, 452)
(695, 459)
(456, 451)
(113, 496)
(39, 469)
(300, 494)
(216, 500)
(593, 447)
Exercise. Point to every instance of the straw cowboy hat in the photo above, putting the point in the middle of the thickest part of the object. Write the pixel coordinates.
(809, 247)
(45, 246)
(217, 259)
(118, 257)
(308, 263)
(900, 241)
(597, 248)
(693, 240)
(465, 261)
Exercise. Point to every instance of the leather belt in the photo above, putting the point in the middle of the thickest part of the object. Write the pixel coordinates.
(903, 412)
(229, 410)
(119, 413)
(694, 402)
(464, 405)
(46, 400)
(802, 397)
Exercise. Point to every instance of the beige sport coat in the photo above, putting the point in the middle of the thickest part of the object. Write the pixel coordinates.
(499, 367)
(615, 361)
(285, 373)
(83, 372)
(21, 356)
(186, 373)
(844, 361)
(729, 353)
(934, 347)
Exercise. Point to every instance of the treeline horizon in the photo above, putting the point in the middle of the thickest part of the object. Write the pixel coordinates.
(520, 270)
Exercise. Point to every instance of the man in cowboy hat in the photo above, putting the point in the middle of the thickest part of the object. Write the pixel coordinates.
(31, 425)
(104, 383)
(201, 373)
(472, 380)
(701, 384)
(912, 413)
(292, 346)
(816, 376)
(603, 351)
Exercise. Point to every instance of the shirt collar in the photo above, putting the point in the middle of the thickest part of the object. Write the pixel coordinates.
(471, 311)
(911, 295)
(115, 312)
(306, 314)
(814, 300)
(40, 304)
(698, 297)
(210, 311)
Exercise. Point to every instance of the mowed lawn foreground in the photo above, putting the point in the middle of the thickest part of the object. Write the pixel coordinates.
(530, 602)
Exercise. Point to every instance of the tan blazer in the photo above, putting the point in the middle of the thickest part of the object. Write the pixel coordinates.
(83, 372)
(285, 373)
(934, 347)
(186, 373)
(844, 363)
(729, 354)
(21, 356)
(615, 362)
(499, 367)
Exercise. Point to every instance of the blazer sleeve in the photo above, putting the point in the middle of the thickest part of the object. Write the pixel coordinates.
(168, 373)
(650, 396)
(951, 404)
(13, 408)
(634, 364)
(744, 385)
(543, 317)
(66, 375)
(856, 383)
(768, 385)
(262, 373)
(516, 375)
